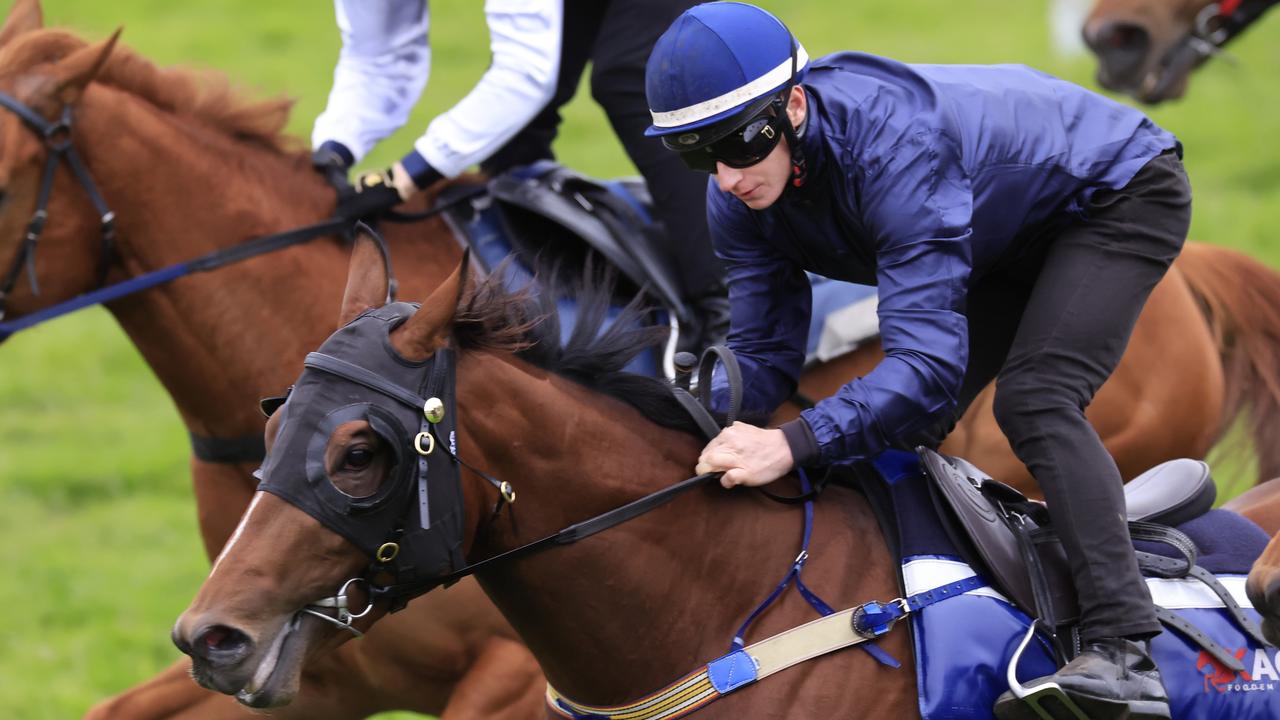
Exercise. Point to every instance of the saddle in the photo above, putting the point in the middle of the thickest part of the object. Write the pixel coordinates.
(547, 216)
(987, 514)
(1011, 537)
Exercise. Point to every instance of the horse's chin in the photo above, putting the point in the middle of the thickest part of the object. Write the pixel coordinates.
(1162, 84)
(276, 677)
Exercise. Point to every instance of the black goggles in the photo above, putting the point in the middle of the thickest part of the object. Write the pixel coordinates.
(741, 148)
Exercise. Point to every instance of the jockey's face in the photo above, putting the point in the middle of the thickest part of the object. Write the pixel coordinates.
(760, 185)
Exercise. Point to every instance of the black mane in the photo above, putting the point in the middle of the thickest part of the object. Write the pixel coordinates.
(527, 323)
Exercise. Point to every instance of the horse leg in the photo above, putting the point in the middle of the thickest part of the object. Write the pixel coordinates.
(1264, 589)
(504, 683)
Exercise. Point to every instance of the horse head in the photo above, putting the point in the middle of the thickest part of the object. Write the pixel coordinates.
(344, 494)
(1149, 48)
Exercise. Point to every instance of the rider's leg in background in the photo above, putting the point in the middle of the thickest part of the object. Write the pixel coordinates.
(533, 143)
(627, 35)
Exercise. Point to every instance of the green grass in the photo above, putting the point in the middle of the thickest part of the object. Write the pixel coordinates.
(98, 544)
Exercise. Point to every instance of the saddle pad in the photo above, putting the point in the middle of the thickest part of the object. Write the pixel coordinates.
(843, 317)
(962, 647)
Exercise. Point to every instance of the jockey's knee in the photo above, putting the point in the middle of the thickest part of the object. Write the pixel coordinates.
(1023, 398)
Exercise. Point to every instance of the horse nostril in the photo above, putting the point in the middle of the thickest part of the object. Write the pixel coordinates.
(1121, 49)
(1120, 40)
(220, 645)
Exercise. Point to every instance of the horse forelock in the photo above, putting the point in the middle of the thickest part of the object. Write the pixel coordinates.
(203, 96)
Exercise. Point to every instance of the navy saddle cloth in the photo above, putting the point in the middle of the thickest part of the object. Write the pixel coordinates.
(962, 646)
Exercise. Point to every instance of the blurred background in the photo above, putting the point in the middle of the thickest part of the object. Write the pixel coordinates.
(99, 550)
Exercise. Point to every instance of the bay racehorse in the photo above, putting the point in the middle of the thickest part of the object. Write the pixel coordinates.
(505, 419)
(168, 146)
(1149, 48)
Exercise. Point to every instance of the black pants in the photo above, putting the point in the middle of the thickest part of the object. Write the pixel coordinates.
(1079, 297)
(616, 36)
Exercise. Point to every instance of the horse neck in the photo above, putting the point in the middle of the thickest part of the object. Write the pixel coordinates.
(217, 341)
(610, 618)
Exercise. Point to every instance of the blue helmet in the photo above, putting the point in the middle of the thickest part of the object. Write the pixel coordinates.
(715, 68)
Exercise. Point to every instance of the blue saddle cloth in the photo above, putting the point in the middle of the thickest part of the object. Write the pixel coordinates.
(963, 646)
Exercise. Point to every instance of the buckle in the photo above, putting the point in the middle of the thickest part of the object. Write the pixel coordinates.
(873, 619)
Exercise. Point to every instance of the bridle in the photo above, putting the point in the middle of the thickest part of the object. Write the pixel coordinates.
(1220, 22)
(57, 139)
(1216, 25)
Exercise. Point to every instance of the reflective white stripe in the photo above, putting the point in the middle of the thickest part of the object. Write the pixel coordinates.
(924, 574)
(1191, 593)
(733, 98)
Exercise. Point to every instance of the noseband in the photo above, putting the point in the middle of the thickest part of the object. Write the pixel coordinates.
(56, 137)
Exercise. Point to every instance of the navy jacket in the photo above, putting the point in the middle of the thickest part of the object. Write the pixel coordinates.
(922, 178)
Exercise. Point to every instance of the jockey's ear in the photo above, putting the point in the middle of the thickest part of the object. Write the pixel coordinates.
(367, 280)
(797, 106)
(428, 329)
(24, 16)
(74, 72)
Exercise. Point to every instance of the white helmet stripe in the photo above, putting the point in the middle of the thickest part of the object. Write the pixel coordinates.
(733, 98)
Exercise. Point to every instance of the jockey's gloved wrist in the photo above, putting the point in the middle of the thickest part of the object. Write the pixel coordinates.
(801, 440)
(332, 160)
(332, 153)
(419, 171)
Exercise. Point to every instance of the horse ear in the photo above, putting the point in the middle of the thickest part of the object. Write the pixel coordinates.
(24, 16)
(74, 72)
(428, 329)
(367, 279)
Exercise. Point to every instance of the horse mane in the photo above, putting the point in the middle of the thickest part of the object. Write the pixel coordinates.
(205, 96)
(526, 323)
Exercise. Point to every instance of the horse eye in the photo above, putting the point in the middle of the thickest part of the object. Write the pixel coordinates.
(357, 458)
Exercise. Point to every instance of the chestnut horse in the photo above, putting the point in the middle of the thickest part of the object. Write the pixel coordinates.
(611, 618)
(187, 167)
(1149, 48)
(167, 147)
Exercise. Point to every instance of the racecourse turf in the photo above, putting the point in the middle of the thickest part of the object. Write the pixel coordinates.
(98, 544)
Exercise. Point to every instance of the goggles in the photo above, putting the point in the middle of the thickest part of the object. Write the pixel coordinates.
(741, 148)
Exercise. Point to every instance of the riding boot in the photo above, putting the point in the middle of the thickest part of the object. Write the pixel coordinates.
(710, 322)
(1112, 679)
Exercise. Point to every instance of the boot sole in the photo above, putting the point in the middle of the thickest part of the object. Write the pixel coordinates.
(1050, 702)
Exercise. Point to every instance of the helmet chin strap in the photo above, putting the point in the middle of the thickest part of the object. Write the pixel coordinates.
(799, 169)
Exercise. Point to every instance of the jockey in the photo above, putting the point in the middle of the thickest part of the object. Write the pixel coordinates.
(540, 48)
(1015, 225)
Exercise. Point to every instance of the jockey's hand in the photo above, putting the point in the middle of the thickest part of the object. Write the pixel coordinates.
(747, 455)
(374, 193)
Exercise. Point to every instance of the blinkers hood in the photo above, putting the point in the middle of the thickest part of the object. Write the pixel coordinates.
(411, 525)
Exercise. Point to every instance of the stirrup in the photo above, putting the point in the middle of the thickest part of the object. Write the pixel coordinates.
(1046, 700)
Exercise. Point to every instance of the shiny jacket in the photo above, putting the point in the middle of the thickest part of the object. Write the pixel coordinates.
(921, 180)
